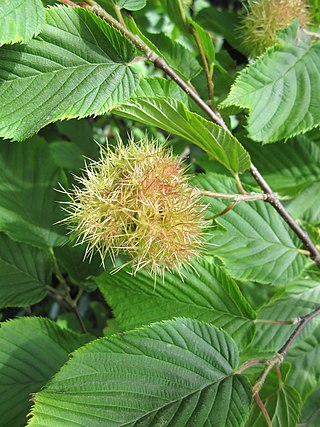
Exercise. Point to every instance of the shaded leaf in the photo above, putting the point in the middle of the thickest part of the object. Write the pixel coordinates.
(20, 20)
(28, 200)
(254, 242)
(25, 272)
(172, 373)
(31, 351)
(288, 168)
(75, 68)
(286, 80)
(297, 299)
(221, 22)
(206, 293)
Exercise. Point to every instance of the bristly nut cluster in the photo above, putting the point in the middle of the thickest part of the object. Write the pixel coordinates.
(137, 199)
(265, 18)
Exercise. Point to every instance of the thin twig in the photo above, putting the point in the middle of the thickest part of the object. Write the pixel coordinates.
(279, 322)
(263, 409)
(223, 212)
(249, 363)
(253, 197)
(301, 325)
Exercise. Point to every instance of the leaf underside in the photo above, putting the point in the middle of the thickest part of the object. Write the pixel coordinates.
(151, 105)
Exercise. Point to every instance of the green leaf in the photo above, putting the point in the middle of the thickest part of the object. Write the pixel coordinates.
(72, 260)
(172, 116)
(286, 80)
(311, 410)
(288, 168)
(254, 242)
(206, 293)
(172, 373)
(306, 206)
(20, 20)
(205, 40)
(28, 200)
(25, 272)
(221, 22)
(304, 357)
(282, 402)
(66, 155)
(76, 67)
(298, 299)
(131, 4)
(31, 351)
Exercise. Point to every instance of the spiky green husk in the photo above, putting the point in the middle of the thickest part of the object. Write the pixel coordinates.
(265, 18)
(137, 199)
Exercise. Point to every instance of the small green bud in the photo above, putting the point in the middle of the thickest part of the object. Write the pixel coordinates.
(137, 199)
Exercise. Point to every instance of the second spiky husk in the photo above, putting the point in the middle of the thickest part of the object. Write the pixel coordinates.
(265, 18)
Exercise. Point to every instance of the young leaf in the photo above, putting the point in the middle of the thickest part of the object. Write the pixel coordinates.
(206, 293)
(31, 351)
(28, 200)
(255, 242)
(172, 116)
(178, 372)
(281, 88)
(76, 67)
(131, 4)
(20, 20)
(25, 272)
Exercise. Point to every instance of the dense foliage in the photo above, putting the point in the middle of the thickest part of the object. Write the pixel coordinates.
(159, 283)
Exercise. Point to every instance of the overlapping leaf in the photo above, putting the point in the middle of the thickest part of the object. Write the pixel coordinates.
(172, 373)
(206, 293)
(288, 168)
(281, 89)
(172, 116)
(282, 403)
(25, 272)
(254, 242)
(304, 357)
(75, 68)
(300, 298)
(31, 351)
(20, 20)
(28, 200)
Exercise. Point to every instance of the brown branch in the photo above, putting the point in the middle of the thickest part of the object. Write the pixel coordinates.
(263, 409)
